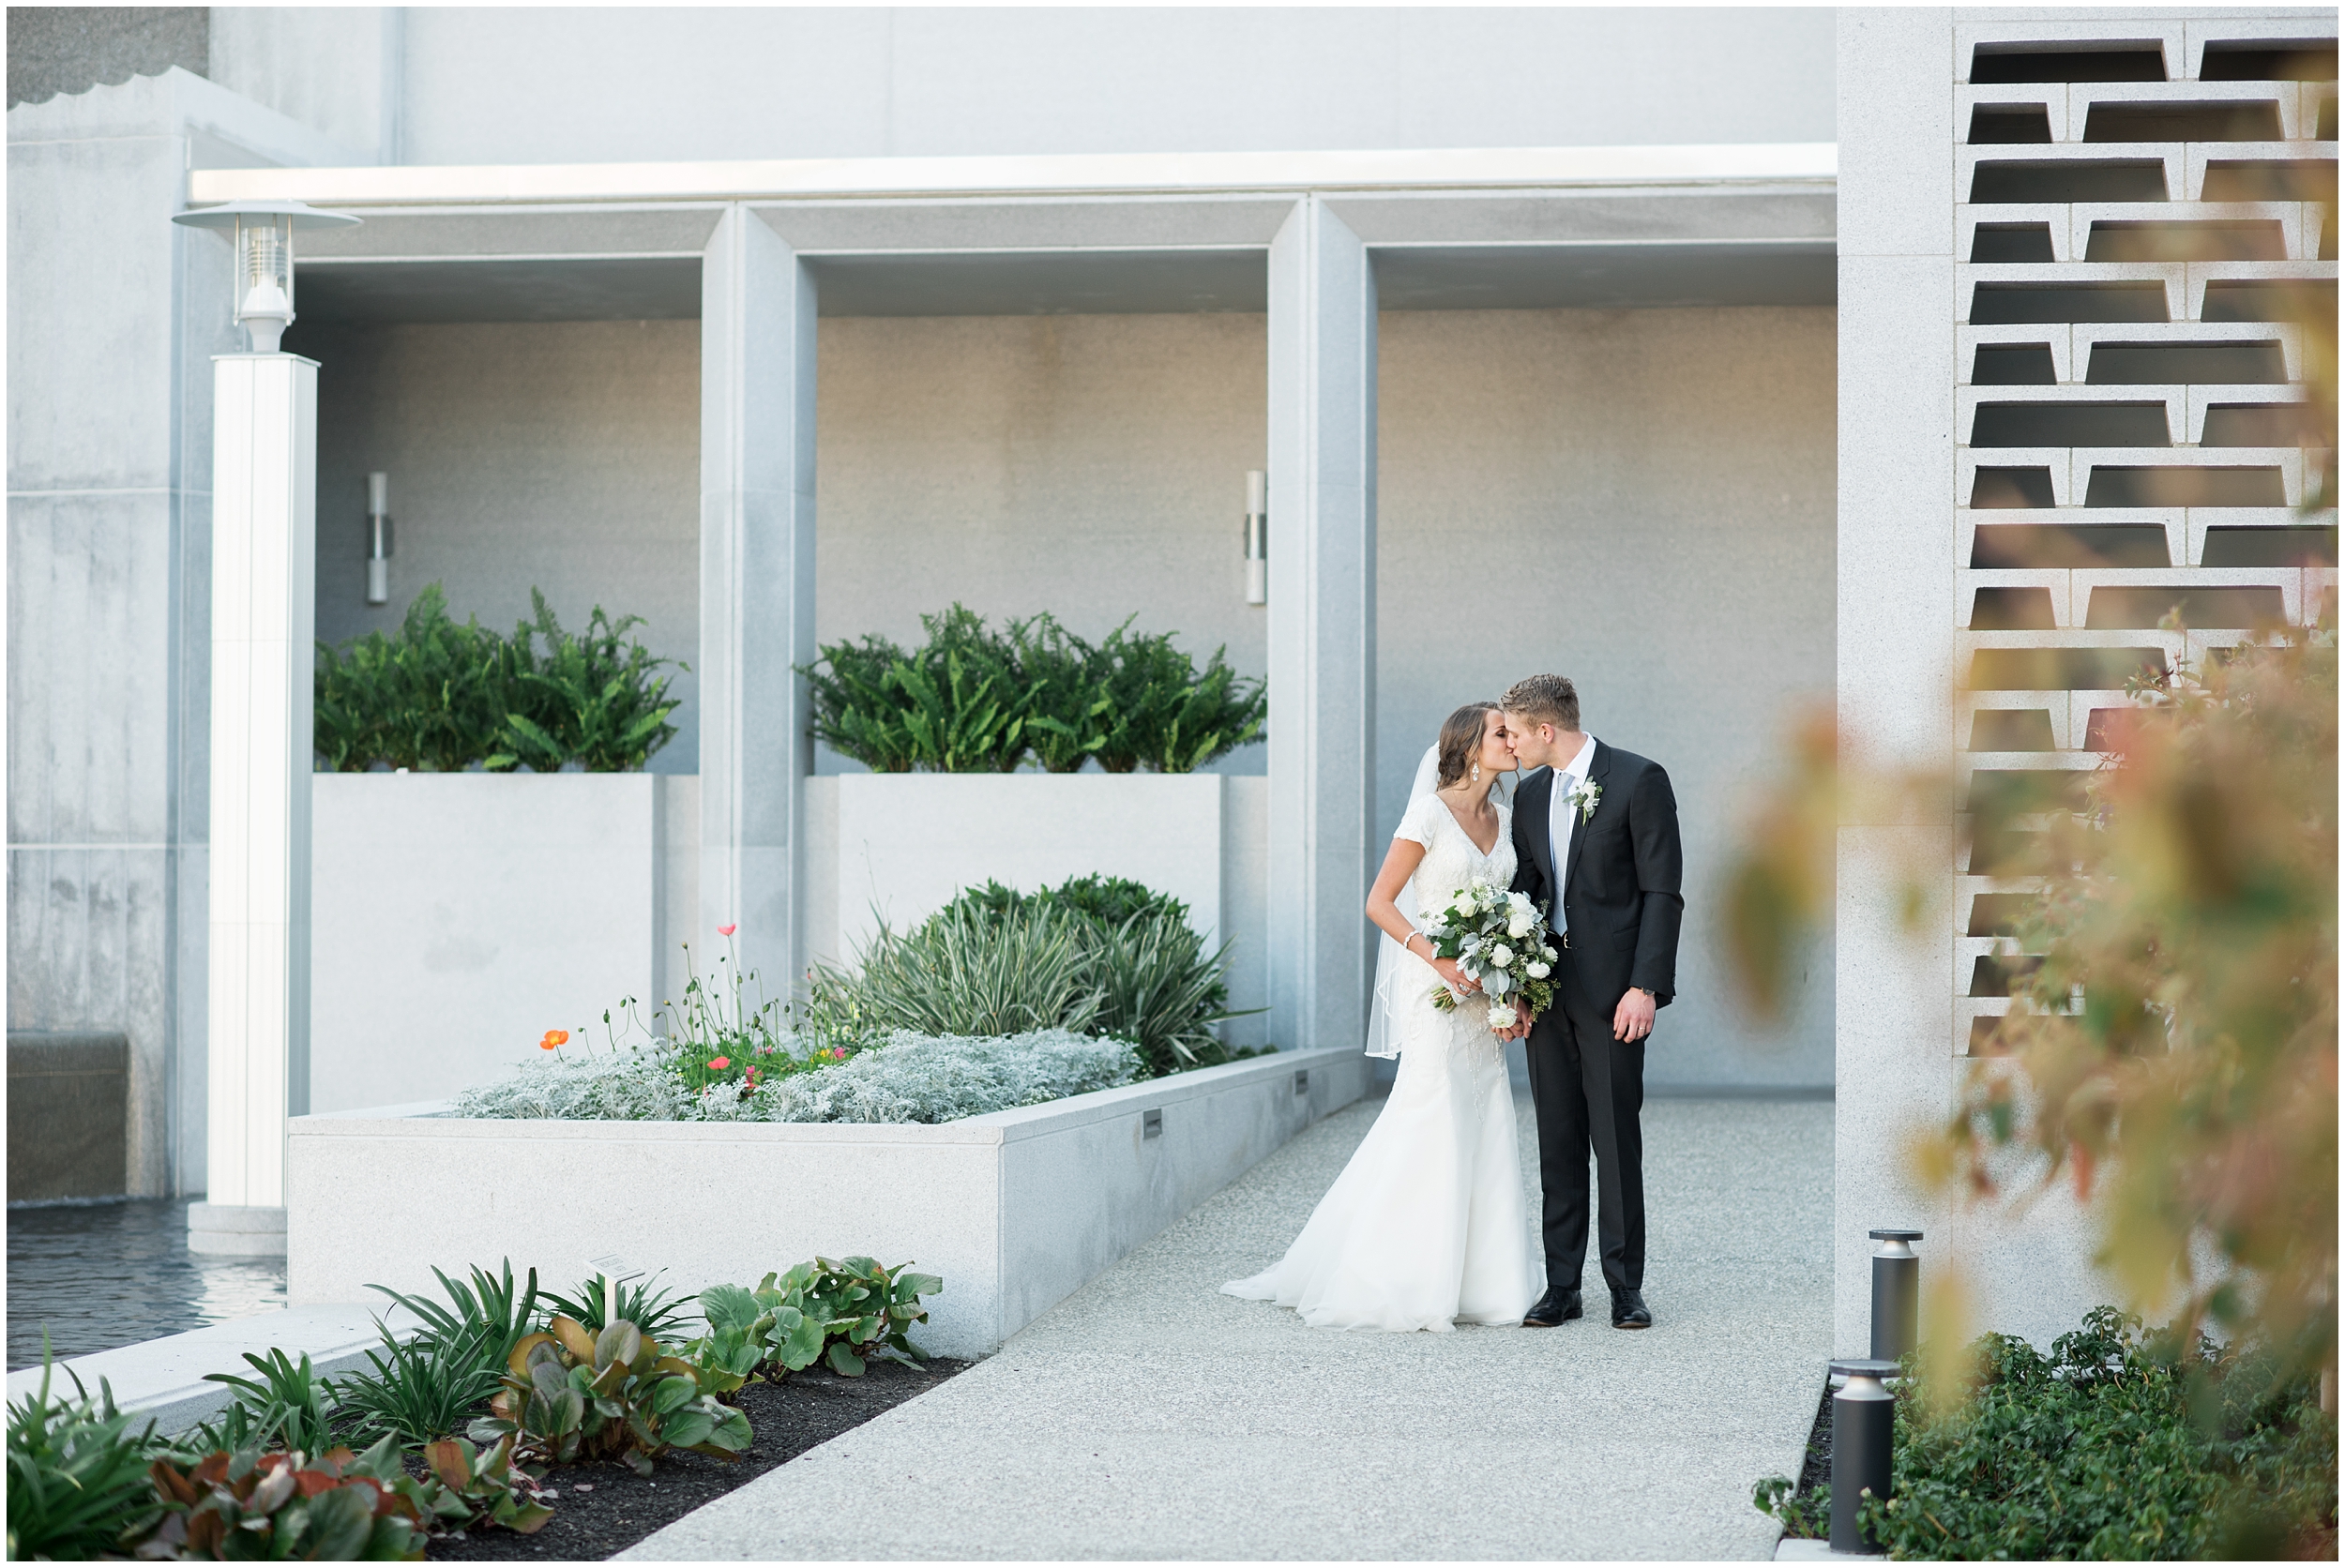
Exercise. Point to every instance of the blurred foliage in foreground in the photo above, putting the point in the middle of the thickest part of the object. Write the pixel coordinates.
(2117, 1445)
(2173, 1056)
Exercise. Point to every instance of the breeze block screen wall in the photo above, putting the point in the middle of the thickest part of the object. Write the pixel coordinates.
(2075, 250)
(2133, 206)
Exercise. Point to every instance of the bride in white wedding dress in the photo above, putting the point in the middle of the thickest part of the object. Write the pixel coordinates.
(1426, 1228)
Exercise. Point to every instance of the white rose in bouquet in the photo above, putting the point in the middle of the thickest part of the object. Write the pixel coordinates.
(1536, 970)
(1502, 1016)
(1502, 955)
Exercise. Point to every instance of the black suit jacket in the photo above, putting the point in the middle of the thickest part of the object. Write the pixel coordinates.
(1623, 890)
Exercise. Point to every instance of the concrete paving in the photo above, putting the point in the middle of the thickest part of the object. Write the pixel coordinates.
(1148, 1416)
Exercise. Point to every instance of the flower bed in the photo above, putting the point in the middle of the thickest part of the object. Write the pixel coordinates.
(541, 1383)
(902, 1077)
(1015, 1208)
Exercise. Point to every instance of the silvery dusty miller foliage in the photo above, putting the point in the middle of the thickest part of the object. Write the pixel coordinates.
(905, 1077)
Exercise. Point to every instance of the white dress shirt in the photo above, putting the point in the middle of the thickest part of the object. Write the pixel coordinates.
(1562, 816)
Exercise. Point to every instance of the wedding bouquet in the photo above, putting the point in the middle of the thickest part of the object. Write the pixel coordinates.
(1500, 938)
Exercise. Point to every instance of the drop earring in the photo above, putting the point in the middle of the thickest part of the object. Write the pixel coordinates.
(1477, 773)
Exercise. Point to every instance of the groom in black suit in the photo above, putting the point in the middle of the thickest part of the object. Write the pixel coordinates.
(1609, 816)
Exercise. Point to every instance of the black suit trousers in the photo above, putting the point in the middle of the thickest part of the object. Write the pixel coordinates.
(1586, 1091)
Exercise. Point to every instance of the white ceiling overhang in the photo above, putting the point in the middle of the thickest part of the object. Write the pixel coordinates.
(1510, 228)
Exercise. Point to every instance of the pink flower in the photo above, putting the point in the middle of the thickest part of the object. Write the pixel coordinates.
(727, 930)
(721, 1064)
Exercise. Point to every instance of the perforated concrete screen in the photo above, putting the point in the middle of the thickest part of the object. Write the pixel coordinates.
(2143, 217)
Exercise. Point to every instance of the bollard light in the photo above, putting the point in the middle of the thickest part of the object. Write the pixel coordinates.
(1863, 1422)
(1897, 1293)
(263, 234)
(1257, 536)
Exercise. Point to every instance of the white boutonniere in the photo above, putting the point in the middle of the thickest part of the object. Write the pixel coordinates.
(1584, 794)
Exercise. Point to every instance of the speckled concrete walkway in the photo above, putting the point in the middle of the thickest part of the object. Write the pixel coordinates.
(1147, 1416)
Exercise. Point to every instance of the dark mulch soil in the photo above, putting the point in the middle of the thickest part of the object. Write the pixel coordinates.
(1815, 1470)
(602, 1509)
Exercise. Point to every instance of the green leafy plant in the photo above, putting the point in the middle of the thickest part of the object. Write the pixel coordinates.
(1164, 715)
(2119, 1444)
(870, 1309)
(971, 700)
(287, 1406)
(960, 973)
(572, 1395)
(1067, 702)
(77, 1474)
(595, 699)
(656, 1313)
(1158, 986)
(341, 1507)
(490, 1311)
(428, 699)
(771, 1325)
(421, 1389)
(1165, 993)
(839, 1312)
(439, 696)
(465, 1488)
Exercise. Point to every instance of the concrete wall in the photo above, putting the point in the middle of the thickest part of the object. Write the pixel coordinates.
(1642, 500)
(562, 456)
(114, 312)
(1091, 466)
(500, 85)
(457, 918)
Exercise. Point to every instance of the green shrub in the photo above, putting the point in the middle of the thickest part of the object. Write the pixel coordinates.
(430, 699)
(842, 1313)
(2119, 1444)
(77, 1475)
(1157, 985)
(658, 1313)
(417, 1391)
(491, 1311)
(570, 1394)
(594, 698)
(1163, 714)
(440, 697)
(287, 1406)
(964, 974)
(972, 699)
(341, 1507)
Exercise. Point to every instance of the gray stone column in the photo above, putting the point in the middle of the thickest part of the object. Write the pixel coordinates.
(1897, 561)
(757, 592)
(1323, 626)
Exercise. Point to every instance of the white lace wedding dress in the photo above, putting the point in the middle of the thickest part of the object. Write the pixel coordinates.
(1426, 1228)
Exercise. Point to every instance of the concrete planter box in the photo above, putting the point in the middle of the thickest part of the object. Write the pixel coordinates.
(908, 841)
(455, 917)
(1015, 1210)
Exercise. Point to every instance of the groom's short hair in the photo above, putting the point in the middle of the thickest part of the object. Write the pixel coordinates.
(1545, 699)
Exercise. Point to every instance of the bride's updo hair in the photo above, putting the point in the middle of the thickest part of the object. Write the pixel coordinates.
(1462, 742)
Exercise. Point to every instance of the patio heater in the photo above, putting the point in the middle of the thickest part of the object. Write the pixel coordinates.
(1257, 536)
(264, 440)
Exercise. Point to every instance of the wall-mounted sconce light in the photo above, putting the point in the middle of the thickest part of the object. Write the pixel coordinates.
(1257, 536)
(378, 538)
(263, 234)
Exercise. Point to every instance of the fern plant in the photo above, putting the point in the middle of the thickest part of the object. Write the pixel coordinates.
(440, 697)
(594, 698)
(974, 700)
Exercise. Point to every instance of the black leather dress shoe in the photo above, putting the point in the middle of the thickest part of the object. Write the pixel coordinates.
(1629, 1310)
(1558, 1306)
